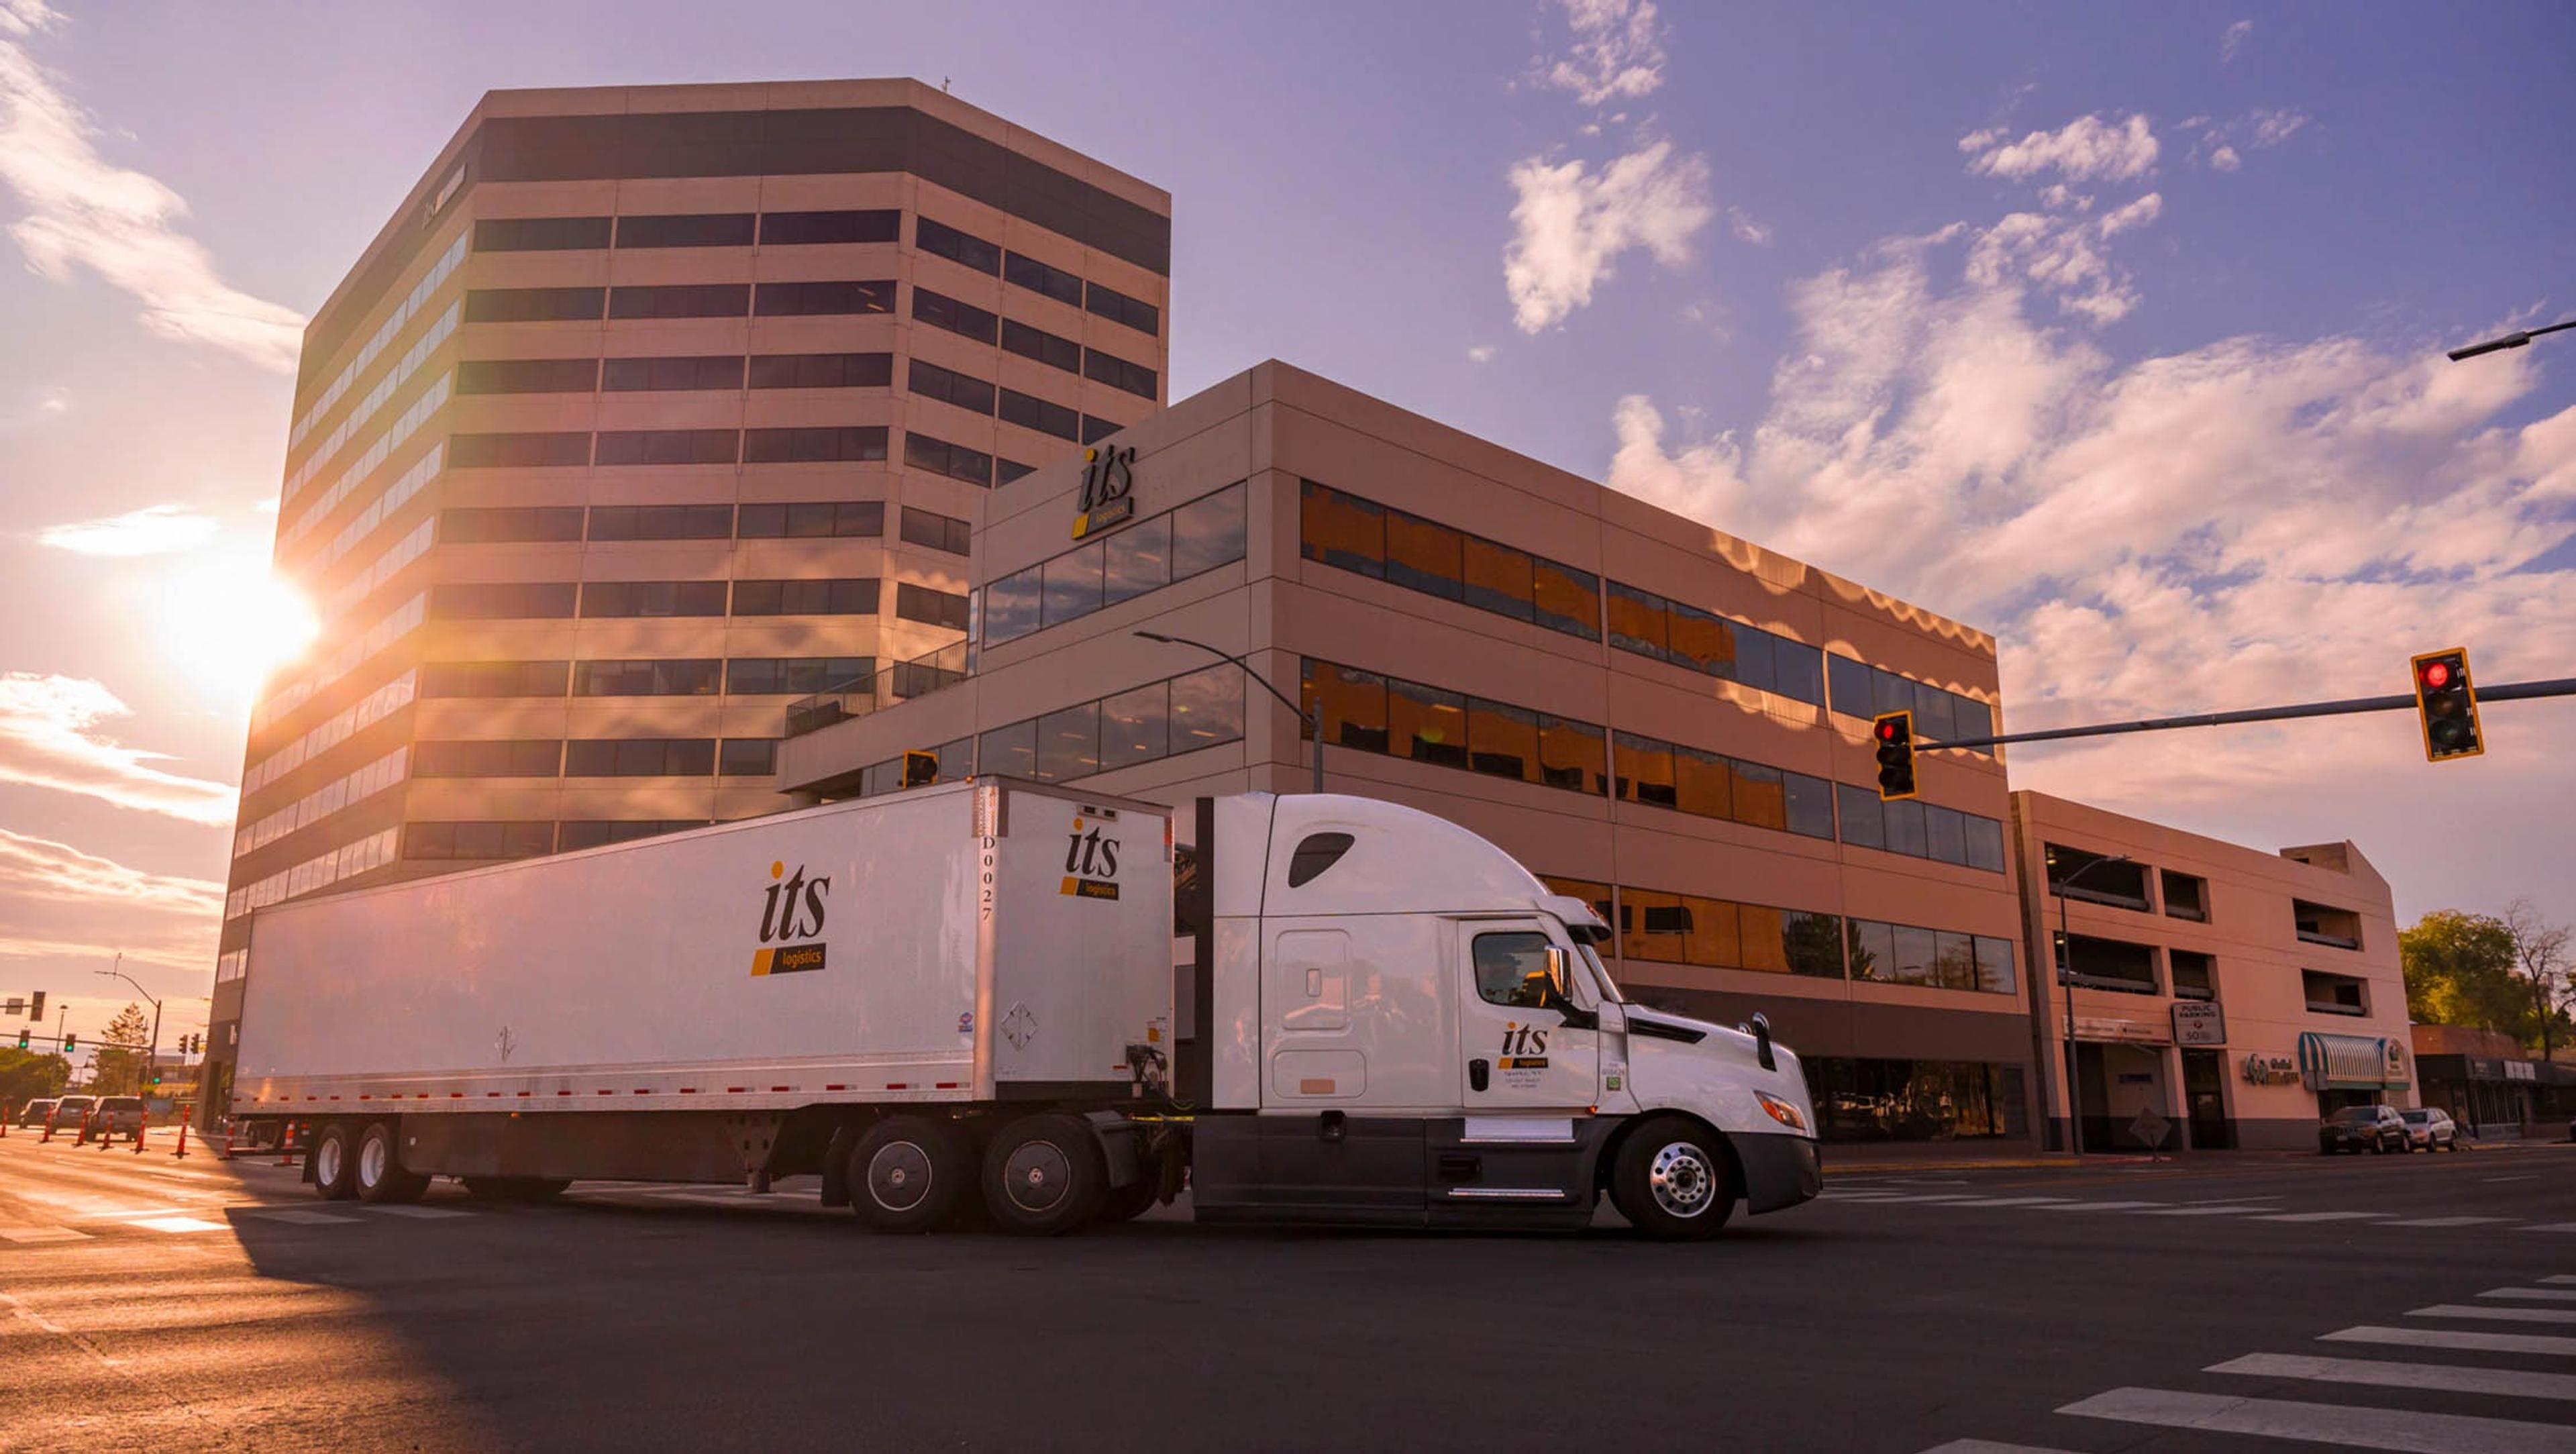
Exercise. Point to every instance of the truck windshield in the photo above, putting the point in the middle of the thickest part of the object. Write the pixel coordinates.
(1601, 975)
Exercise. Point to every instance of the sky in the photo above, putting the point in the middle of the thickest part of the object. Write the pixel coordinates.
(2114, 331)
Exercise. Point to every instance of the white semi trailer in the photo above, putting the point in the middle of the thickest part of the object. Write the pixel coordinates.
(963, 1000)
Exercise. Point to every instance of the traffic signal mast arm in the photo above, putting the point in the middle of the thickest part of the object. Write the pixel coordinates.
(2399, 702)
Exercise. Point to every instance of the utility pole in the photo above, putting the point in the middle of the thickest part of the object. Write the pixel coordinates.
(154, 1053)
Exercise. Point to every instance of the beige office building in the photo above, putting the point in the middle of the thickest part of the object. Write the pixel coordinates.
(1662, 718)
(2237, 995)
(650, 411)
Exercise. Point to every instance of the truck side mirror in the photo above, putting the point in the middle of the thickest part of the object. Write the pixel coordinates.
(1556, 973)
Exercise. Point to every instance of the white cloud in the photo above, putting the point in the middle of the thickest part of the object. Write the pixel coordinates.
(1617, 50)
(48, 740)
(42, 868)
(2065, 258)
(60, 904)
(1741, 223)
(154, 530)
(82, 212)
(1572, 224)
(2086, 149)
(1481, 353)
(2225, 159)
(2234, 40)
(2271, 128)
(2223, 144)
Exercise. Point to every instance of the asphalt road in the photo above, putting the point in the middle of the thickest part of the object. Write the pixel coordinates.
(2211, 1305)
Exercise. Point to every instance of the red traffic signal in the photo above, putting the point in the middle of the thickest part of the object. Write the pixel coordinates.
(2446, 705)
(1894, 732)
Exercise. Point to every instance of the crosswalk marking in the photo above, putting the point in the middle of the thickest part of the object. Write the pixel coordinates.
(2551, 1227)
(2341, 1424)
(41, 1234)
(297, 1215)
(2534, 1294)
(2511, 1382)
(177, 1224)
(2496, 1315)
(2456, 1338)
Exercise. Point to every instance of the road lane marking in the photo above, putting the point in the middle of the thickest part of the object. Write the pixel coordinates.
(2452, 1377)
(297, 1216)
(2495, 1315)
(2010, 1201)
(2559, 1279)
(2448, 1221)
(2353, 1428)
(2551, 1227)
(2202, 1212)
(178, 1224)
(2535, 1176)
(2534, 1294)
(424, 1213)
(32, 1316)
(2455, 1338)
(1989, 1446)
(2099, 1206)
(2322, 1217)
(41, 1234)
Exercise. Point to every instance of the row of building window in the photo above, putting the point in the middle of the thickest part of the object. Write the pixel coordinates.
(800, 520)
(595, 757)
(1663, 774)
(1916, 1100)
(360, 647)
(1864, 691)
(1162, 719)
(807, 445)
(741, 676)
(718, 229)
(1029, 341)
(405, 485)
(375, 400)
(721, 372)
(1019, 270)
(596, 600)
(1656, 926)
(368, 710)
(1173, 546)
(409, 422)
(965, 391)
(322, 802)
(827, 298)
(1649, 625)
(1343, 531)
(487, 839)
(1919, 829)
(320, 872)
(412, 305)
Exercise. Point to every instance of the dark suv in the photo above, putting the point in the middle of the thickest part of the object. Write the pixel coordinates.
(37, 1112)
(2363, 1128)
(116, 1116)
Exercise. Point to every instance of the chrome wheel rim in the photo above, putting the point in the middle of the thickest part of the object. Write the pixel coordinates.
(1037, 1176)
(326, 1161)
(899, 1176)
(1682, 1180)
(371, 1163)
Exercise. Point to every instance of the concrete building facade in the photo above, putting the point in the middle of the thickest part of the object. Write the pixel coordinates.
(649, 411)
(2236, 994)
(1671, 722)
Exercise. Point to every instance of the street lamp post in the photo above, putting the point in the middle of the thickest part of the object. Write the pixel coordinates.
(2066, 983)
(2519, 338)
(1314, 720)
(154, 1054)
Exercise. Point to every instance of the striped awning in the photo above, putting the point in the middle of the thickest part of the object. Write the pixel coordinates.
(2351, 1062)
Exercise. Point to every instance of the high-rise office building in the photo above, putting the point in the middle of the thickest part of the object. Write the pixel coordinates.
(652, 410)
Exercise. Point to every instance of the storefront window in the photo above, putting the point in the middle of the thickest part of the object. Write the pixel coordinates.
(1915, 1100)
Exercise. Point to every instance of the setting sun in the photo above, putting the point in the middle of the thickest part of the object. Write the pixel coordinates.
(226, 625)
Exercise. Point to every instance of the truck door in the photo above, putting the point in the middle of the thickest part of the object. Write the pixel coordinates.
(1526, 1043)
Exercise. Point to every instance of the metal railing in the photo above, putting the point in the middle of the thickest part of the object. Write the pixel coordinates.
(857, 697)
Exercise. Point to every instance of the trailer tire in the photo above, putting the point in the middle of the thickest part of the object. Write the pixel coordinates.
(907, 1174)
(335, 1164)
(1043, 1176)
(378, 1171)
(1674, 1181)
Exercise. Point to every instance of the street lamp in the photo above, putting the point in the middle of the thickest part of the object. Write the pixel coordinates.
(1314, 720)
(154, 1054)
(2066, 982)
(2519, 338)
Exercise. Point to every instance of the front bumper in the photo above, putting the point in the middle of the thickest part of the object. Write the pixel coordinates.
(1779, 1170)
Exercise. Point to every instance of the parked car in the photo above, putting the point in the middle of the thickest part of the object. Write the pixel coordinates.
(2363, 1128)
(2431, 1129)
(116, 1116)
(37, 1112)
(68, 1112)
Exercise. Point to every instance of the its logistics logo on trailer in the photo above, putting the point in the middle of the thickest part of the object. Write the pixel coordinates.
(784, 916)
(1091, 860)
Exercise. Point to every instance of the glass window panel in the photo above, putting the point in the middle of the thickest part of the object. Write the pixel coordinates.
(1864, 816)
(1427, 724)
(1705, 784)
(1207, 708)
(1873, 950)
(1207, 533)
(1811, 805)
(1498, 579)
(1945, 835)
(1814, 943)
(1571, 755)
(1754, 664)
(1502, 740)
(1567, 599)
(1954, 960)
(1932, 713)
(1139, 560)
(1645, 769)
(1761, 795)
(1700, 641)
(1995, 965)
(1973, 718)
(1424, 556)
(1073, 584)
(1069, 743)
(1766, 943)
(1136, 726)
(1853, 696)
(1011, 607)
(1985, 843)
(1009, 751)
(1798, 670)
(1637, 621)
(1916, 950)
(1353, 704)
(1651, 926)
(1892, 693)
(1905, 831)
(1715, 934)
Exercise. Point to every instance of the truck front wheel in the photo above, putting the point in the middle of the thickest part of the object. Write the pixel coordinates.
(1673, 1181)
(907, 1174)
(1043, 1176)
(335, 1164)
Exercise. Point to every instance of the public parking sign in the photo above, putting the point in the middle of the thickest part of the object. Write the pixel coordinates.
(2199, 1022)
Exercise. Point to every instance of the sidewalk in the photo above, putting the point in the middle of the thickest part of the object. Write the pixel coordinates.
(1900, 1160)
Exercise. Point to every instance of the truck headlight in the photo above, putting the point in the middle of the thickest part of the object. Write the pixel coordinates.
(1782, 1111)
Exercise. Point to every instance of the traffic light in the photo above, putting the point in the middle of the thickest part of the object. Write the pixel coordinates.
(36, 1007)
(2447, 705)
(1895, 734)
(70, 1042)
(22, 1039)
(920, 769)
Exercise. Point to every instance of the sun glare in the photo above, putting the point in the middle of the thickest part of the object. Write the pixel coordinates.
(227, 626)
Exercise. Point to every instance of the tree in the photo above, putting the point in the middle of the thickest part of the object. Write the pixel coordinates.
(119, 1071)
(2460, 970)
(2540, 957)
(26, 1075)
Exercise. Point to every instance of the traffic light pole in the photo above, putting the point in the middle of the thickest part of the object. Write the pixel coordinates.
(2508, 692)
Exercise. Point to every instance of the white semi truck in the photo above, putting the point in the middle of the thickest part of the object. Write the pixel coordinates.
(1003, 999)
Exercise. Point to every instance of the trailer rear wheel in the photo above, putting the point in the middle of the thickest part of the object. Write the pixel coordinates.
(335, 1168)
(907, 1174)
(378, 1169)
(1673, 1181)
(1043, 1176)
